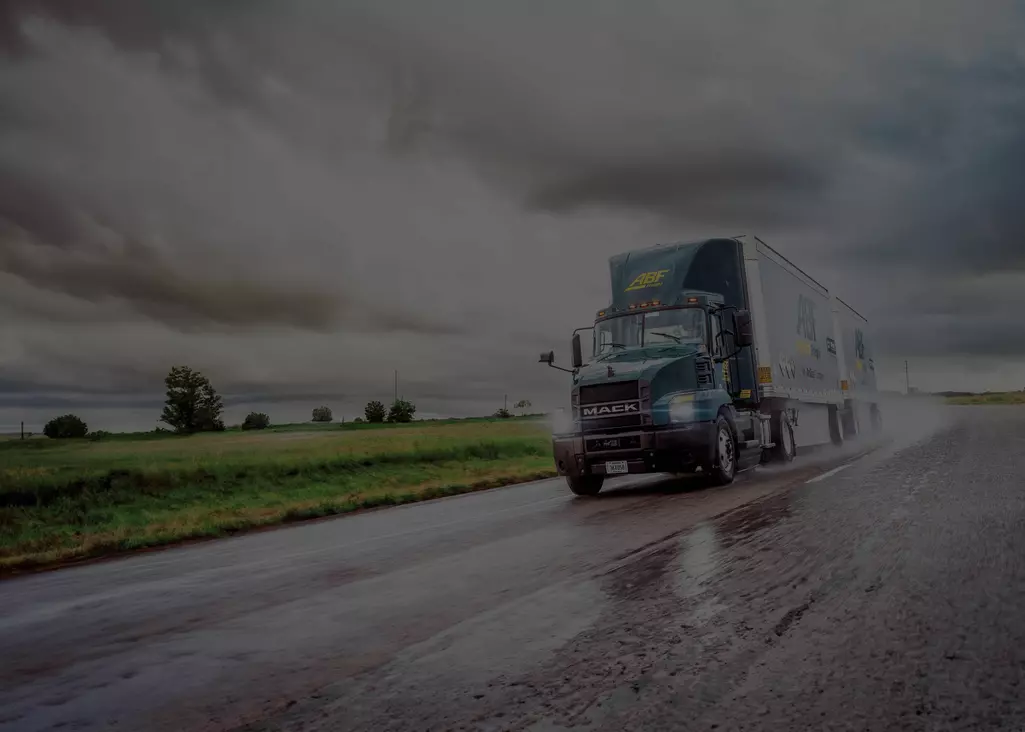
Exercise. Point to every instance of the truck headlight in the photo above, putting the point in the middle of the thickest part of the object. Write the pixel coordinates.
(681, 408)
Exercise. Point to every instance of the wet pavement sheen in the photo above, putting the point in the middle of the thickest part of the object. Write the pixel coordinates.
(890, 595)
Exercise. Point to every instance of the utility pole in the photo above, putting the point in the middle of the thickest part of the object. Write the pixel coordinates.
(396, 384)
(23, 430)
(907, 379)
(505, 404)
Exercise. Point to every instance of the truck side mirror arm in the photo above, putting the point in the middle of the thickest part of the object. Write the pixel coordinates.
(548, 358)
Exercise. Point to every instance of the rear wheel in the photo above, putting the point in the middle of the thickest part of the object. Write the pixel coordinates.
(724, 469)
(876, 418)
(585, 485)
(835, 427)
(783, 436)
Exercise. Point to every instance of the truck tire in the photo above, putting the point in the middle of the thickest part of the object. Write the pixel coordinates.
(835, 427)
(785, 448)
(877, 418)
(724, 468)
(585, 485)
(850, 423)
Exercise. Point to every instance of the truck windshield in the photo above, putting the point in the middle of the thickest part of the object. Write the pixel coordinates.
(650, 328)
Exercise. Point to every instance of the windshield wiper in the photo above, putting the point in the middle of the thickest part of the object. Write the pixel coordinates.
(678, 339)
(614, 345)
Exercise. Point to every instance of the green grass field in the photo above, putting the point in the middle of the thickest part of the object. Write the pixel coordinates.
(69, 499)
(999, 397)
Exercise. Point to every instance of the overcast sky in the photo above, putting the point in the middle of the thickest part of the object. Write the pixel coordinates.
(297, 197)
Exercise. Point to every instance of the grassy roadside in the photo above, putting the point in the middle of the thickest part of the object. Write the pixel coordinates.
(1004, 397)
(62, 501)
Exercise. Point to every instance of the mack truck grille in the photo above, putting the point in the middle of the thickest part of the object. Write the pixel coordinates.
(600, 393)
(604, 407)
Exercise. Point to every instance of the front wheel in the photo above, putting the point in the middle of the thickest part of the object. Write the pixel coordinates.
(585, 485)
(724, 469)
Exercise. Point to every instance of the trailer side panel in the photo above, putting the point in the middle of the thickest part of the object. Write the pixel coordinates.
(796, 344)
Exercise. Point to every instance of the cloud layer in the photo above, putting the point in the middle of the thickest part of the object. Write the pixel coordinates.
(300, 197)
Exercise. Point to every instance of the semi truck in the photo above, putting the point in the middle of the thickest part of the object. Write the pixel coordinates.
(712, 356)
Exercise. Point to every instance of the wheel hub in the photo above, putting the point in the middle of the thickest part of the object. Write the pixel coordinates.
(725, 452)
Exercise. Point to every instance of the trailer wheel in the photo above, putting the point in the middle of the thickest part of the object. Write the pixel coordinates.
(585, 485)
(850, 423)
(783, 435)
(835, 428)
(876, 417)
(724, 469)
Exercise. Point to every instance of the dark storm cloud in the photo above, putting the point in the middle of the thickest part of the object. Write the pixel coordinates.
(73, 221)
(969, 220)
(23, 400)
(354, 173)
(157, 289)
(188, 299)
(700, 186)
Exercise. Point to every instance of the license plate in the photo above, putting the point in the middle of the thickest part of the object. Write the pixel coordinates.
(614, 467)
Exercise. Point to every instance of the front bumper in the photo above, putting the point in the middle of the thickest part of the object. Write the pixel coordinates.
(671, 449)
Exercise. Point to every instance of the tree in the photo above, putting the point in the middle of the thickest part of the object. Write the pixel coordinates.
(256, 421)
(401, 411)
(503, 413)
(523, 404)
(322, 414)
(374, 411)
(192, 404)
(65, 426)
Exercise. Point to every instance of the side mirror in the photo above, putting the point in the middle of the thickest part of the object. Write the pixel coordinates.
(578, 354)
(743, 329)
(548, 358)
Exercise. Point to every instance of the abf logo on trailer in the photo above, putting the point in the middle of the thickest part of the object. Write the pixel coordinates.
(806, 318)
(647, 279)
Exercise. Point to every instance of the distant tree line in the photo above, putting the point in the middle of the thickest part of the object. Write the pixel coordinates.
(401, 410)
(192, 405)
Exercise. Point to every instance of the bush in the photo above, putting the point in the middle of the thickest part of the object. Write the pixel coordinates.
(359, 420)
(374, 411)
(65, 426)
(503, 413)
(401, 411)
(256, 421)
(322, 414)
(98, 435)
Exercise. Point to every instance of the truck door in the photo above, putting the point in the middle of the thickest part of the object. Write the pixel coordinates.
(720, 347)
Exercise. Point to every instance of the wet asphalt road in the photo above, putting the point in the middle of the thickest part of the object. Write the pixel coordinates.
(887, 595)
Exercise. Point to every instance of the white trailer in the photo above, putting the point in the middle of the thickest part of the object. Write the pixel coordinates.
(795, 345)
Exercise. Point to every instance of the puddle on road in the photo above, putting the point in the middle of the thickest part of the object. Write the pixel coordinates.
(751, 518)
(699, 560)
(683, 567)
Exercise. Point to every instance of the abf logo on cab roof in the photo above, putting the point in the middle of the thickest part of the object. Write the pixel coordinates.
(647, 279)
